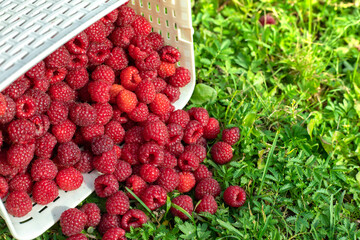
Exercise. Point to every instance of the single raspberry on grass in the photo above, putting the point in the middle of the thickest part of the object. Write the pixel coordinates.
(18, 204)
(118, 59)
(96, 32)
(129, 153)
(68, 153)
(106, 162)
(193, 131)
(108, 222)
(56, 75)
(186, 203)
(4, 187)
(78, 78)
(156, 40)
(133, 218)
(207, 186)
(181, 77)
(221, 152)
(122, 171)
(141, 26)
(267, 19)
(82, 114)
(234, 196)
(77, 62)
(121, 36)
(45, 191)
(20, 155)
(198, 150)
(154, 197)
(151, 153)
(212, 129)
(21, 131)
(207, 204)
(114, 234)
(103, 73)
(149, 173)
(78, 236)
(117, 204)
(156, 131)
(115, 131)
(106, 185)
(134, 135)
(160, 105)
(201, 173)
(10, 110)
(84, 165)
(145, 91)
(78, 44)
(61, 92)
(126, 16)
(37, 71)
(169, 179)
(42, 124)
(43, 169)
(59, 58)
(69, 179)
(45, 145)
(89, 132)
(187, 182)
(188, 161)
(98, 52)
(150, 63)
(17, 88)
(126, 101)
(175, 149)
(231, 135)
(93, 214)
(72, 221)
(136, 184)
(22, 183)
(101, 144)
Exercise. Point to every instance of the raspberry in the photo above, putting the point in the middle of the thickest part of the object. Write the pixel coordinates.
(61, 92)
(150, 63)
(106, 185)
(126, 16)
(145, 91)
(207, 204)
(25, 107)
(104, 113)
(17, 88)
(41, 99)
(207, 186)
(188, 161)
(149, 173)
(3, 105)
(103, 73)
(10, 110)
(148, 75)
(4, 187)
(64, 131)
(234, 196)
(42, 124)
(151, 153)
(173, 93)
(166, 69)
(96, 32)
(134, 135)
(176, 133)
(126, 101)
(160, 105)
(59, 58)
(141, 26)
(18, 204)
(140, 48)
(187, 182)
(133, 218)
(44, 146)
(130, 78)
(57, 112)
(82, 114)
(176, 149)
(72, 221)
(69, 179)
(43, 169)
(221, 152)
(109, 28)
(77, 62)
(93, 214)
(117, 204)
(21, 131)
(106, 162)
(117, 149)
(122, 171)
(114, 233)
(89, 132)
(108, 222)
(99, 91)
(78, 44)
(37, 71)
(41, 84)
(118, 59)
(231, 136)
(193, 131)
(121, 36)
(22, 183)
(135, 184)
(165, 117)
(101, 144)
(212, 129)
(140, 113)
(198, 150)
(199, 114)
(45, 191)
(115, 131)
(98, 52)
(110, 17)
(68, 154)
(78, 236)
(156, 40)
(181, 77)
(154, 197)
(77, 78)
(6, 169)
(186, 203)
(169, 54)
(84, 165)
(169, 179)
(170, 160)
(202, 172)
(180, 117)
(56, 75)
(114, 91)
(267, 20)
(20, 155)
(129, 153)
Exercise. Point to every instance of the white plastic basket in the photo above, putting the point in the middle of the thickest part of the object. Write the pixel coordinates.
(32, 29)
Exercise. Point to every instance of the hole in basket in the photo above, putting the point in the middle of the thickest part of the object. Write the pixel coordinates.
(133, 2)
(149, 5)
(43, 209)
(174, 15)
(27, 220)
(176, 38)
(167, 23)
(142, 14)
(158, 21)
(165, 11)
(157, 8)
(175, 26)
(160, 32)
(56, 199)
(168, 35)
(141, 3)
(150, 18)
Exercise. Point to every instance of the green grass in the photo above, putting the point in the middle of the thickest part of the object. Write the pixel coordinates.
(294, 91)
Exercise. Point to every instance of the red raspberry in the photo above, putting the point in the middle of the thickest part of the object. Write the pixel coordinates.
(89, 132)
(160, 105)
(151, 153)
(69, 179)
(21, 131)
(130, 78)
(140, 113)
(82, 114)
(117, 204)
(96, 32)
(141, 26)
(267, 20)
(72, 221)
(42, 124)
(176, 149)
(198, 150)
(10, 112)
(99, 91)
(126, 16)
(202, 172)
(98, 52)
(78, 236)
(202, 142)
(188, 161)
(93, 214)
(17, 88)
(78, 44)
(117, 149)
(104, 113)
(176, 133)
(169, 54)
(4, 187)
(103, 73)
(186, 203)
(149, 173)
(41, 99)
(234, 196)
(180, 117)
(166, 69)
(68, 154)
(150, 63)
(140, 48)
(145, 91)
(133, 218)
(199, 114)
(109, 28)
(173, 93)
(187, 182)
(20, 155)
(43, 169)
(193, 131)
(22, 183)
(148, 75)
(106, 162)
(106, 185)
(207, 204)
(114, 91)
(114, 233)
(77, 62)
(169, 179)
(212, 129)
(135, 184)
(221, 153)
(61, 92)
(166, 116)
(115, 131)
(121, 36)
(231, 136)
(3, 105)
(37, 71)
(110, 17)
(108, 222)
(207, 186)
(57, 112)
(129, 153)
(45, 191)
(101, 144)
(134, 135)
(64, 131)
(77, 78)
(59, 58)
(84, 165)
(118, 59)
(41, 84)
(44, 146)
(123, 171)
(126, 101)
(6, 169)
(56, 75)
(18, 204)
(181, 77)
(156, 40)
(170, 161)
(154, 197)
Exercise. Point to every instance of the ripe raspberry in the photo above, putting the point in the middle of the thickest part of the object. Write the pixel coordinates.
(267, 20)
(123, 171)
(110, 17)
(166, 69)
(193, 131)
(117, 149)
(234, 196)
(84, 165)
(199, 114)
(57, 112)
(43, 169)
(117, 204)
(106, 162)
(103, 73)
(149, 173)
(212, 129)
(41, 84)
(61, 92)
(118, 59)
(3, 105)
(221, 152)
(133, 218)
(207, 186)
(82, 114)
(45, 191)
(22, 183)
(114, 91)
(101, 144)
(96, 32)
(4, 187)
(72, 221)
(64, 131)
(156, 40)
(187, 182)
(98, 52)
(130, 78)
(115, 131)
(181, 77)
(21, 131)
(37, 71)
(207, 204)
(134, 135)
(44, 146)
(166, 116)
(126, 101)
(108, 222)
(56, 75)
(42, 124)
(104, 113)
(18, 204)
(141, 26)
(69, 179)
(6, 169)
(169, 54)
(169, 179)
(59, 58)
(68, 154)
(126, 16)
(148, 75)
(201, 173)
(198, 150)
(180, 117)
(77, 78)
(151, 153)
(93, 214)
(106, 185)
(140, 48)
(170, 161)
(173, 93)
(186, 203)
(78, 236)
(109, 28)
(231, 136)
(150, 63)
(135, 184)
(188, 161)
(10, 111)
(160, 105)
(145, 91)
(78, 44)
(77, 62)
(89, 132)
(156, 131)
(25, 107)
(41, 99)
(129, 153)
(176, 149)
(176, 133)
(99, 91)
(17, 88)
(154, 197)
(114, 233)
(20, 155)
(121, 36)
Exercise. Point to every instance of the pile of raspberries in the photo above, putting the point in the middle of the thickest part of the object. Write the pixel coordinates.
(104, 101)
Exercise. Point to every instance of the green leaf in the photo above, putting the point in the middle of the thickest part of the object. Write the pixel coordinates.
(310, 127)
(249, 119)
(203, 94)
